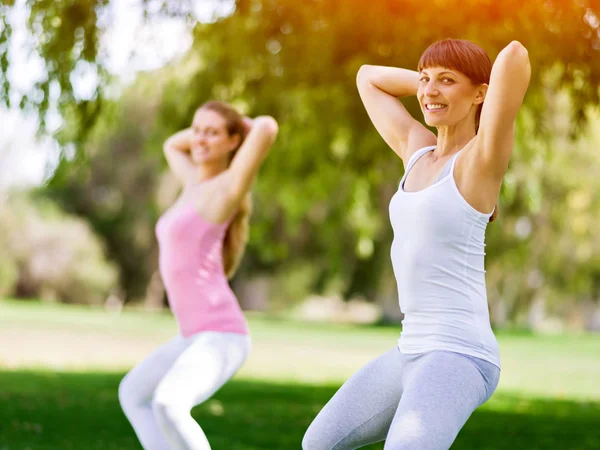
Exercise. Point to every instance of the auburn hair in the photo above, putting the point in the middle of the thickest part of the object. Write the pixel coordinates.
(236, 236)
(465, 57)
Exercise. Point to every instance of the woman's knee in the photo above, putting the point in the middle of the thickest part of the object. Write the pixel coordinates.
(168, 412)
(317, 438)
(413, 431)
(311, 441)
(127, 397)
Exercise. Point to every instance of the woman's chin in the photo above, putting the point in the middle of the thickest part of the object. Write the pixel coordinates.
(209, 158)
(200, 157)
(438, 122)
(433, 121)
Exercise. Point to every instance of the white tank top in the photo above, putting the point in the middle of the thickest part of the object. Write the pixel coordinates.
(438, 259)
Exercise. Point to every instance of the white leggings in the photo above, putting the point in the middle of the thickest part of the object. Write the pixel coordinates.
(158, 394)
(413, 402)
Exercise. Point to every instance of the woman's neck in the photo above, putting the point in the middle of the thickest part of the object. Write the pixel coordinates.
(453, 138)
(211, 169)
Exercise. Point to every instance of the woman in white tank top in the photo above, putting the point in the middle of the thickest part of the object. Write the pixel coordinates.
(419, 394)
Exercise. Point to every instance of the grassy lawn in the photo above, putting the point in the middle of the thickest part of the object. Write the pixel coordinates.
(60, 368)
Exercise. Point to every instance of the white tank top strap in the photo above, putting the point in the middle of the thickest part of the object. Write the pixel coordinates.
(413, 160)
(416, 155)
(448, 168)
(453, 163)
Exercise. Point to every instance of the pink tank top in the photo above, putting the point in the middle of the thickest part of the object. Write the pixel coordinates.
(191, 266)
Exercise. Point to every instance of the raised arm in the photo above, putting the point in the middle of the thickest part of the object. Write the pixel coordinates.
(176, 149)
(508, 83)
(379, 88)
(242, 170)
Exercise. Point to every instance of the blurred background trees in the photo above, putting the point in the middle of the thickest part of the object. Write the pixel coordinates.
(320, 225)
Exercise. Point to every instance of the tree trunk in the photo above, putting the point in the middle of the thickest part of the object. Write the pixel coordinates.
(253, 293)
(155, 293)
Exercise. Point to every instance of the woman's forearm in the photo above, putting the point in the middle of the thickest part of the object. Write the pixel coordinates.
(180, 140)
(392, 80)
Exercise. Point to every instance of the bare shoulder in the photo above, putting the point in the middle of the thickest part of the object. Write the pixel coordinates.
(419, 137)
(213, 199)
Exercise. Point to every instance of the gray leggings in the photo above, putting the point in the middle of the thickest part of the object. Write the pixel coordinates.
(415, 402)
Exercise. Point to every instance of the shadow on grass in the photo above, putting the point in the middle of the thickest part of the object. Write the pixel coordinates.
(46, 410)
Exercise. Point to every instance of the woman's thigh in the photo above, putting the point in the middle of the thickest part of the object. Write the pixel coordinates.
(141, 381)
(441, 390)
(208, 362)
(361, 411)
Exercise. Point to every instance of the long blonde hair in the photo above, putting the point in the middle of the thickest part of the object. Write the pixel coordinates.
(236, 236)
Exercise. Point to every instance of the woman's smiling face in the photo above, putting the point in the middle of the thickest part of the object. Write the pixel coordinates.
(447, 96)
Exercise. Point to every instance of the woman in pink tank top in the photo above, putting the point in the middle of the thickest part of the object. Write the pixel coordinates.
(201, 240)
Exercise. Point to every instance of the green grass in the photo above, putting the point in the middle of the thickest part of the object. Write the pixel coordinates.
(549, 396)
(44, 410)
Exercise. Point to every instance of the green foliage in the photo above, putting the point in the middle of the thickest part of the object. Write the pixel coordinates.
(544, 245)
(51, 255)
(5, 38)
(323, 192)
(268, 46)
(9, 269)
(322, 195)
(115, 186)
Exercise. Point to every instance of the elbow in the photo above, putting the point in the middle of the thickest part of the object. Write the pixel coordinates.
(267, 125)
(517, 50)
(363, 75)
(516, 46)
(167, 147)
(515, 59)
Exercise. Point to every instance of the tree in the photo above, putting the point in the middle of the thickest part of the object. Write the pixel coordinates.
(322, 195)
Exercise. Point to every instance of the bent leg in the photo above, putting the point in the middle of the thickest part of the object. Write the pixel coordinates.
(361, 411)
(441, 390)
(137, 389)
(210, 360)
